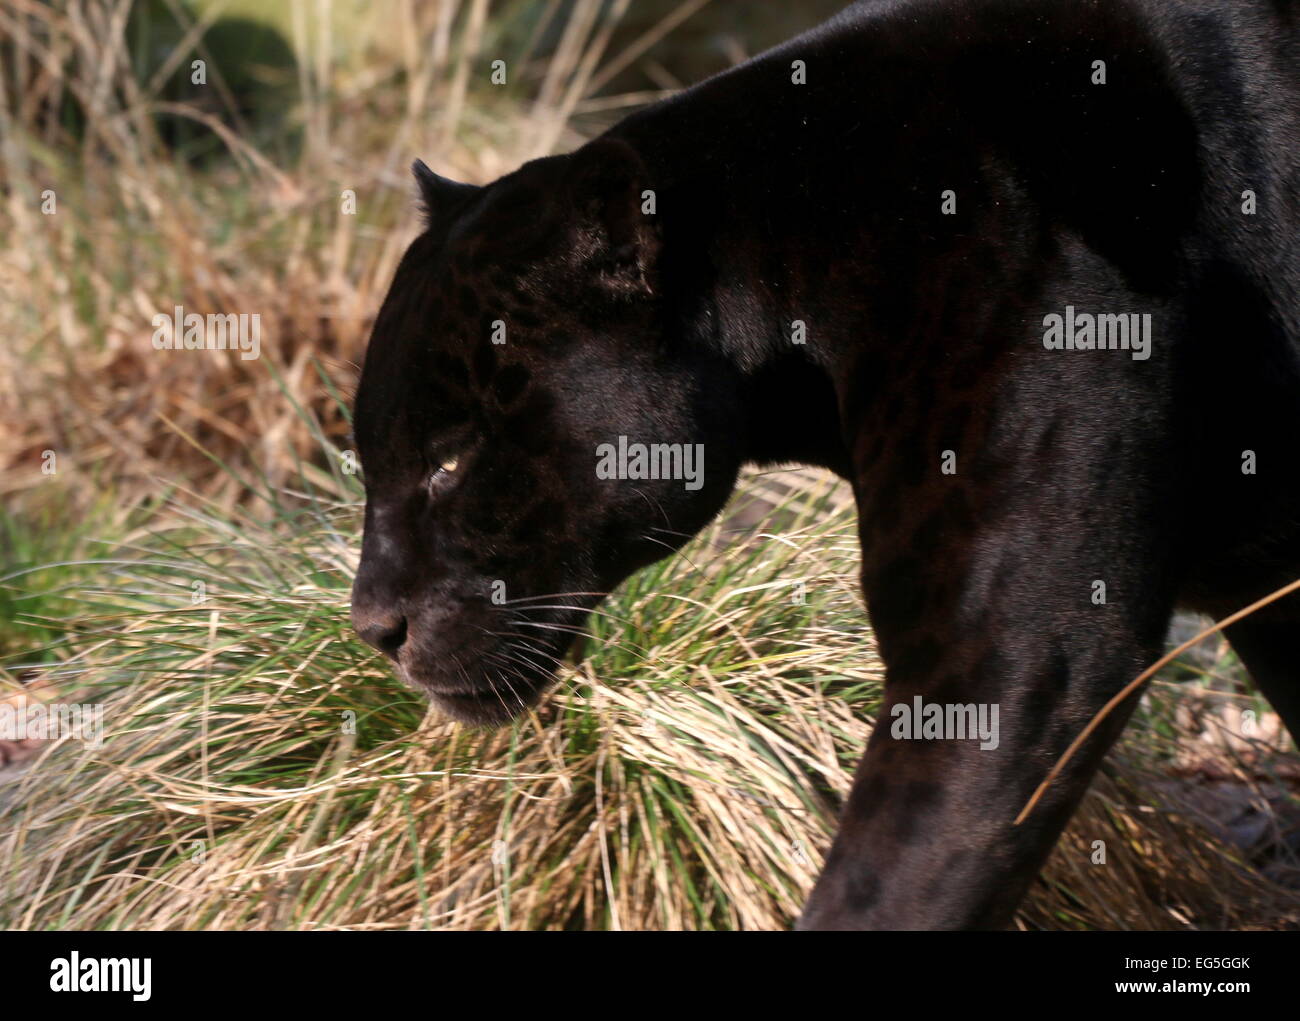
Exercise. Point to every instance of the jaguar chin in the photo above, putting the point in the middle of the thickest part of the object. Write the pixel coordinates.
(496, 703)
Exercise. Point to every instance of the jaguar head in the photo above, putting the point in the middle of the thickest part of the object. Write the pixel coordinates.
(524, 392)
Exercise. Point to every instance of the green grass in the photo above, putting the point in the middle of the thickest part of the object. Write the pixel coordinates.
(51, 553)
(682, 774)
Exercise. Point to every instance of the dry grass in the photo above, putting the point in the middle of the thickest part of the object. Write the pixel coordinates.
(688, 771)
(683, 776)
(137, 231)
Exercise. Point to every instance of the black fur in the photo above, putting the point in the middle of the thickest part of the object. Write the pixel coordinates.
(822, 202)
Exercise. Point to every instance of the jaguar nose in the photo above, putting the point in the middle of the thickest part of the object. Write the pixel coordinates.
(385, 632)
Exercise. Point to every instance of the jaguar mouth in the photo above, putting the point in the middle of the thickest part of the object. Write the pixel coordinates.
(487, 684)
(486, 708)
(491, 703)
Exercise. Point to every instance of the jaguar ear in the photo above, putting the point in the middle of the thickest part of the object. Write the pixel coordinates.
(440, 196)
(607, 187)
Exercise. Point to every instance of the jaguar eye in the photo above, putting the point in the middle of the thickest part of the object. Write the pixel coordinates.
(446, 460)
(444, 474)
